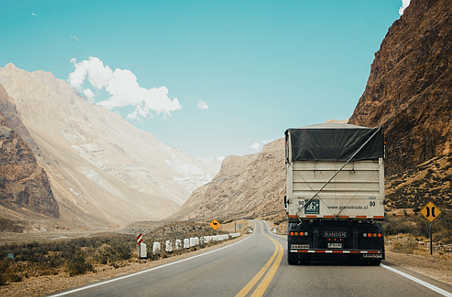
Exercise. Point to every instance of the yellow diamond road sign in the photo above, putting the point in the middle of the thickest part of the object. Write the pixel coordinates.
(214, 224)
(430, 211)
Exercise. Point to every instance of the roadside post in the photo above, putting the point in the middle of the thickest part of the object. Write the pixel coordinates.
(141, 247)
(431, 212)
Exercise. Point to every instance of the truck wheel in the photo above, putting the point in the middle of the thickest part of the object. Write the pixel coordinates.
(292, 258)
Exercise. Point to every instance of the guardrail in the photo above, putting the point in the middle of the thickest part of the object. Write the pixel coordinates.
(187, 243)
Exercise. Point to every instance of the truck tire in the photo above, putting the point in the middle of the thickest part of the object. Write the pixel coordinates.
(292, 258)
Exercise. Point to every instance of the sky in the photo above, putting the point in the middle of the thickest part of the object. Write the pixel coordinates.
(213, 78)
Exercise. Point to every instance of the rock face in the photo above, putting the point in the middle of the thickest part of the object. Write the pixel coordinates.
(246, 186)
(414, 188)
(409, 90)
(103, 171)
(23, 183)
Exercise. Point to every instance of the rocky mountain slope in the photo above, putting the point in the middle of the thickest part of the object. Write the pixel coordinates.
(23, 183)
(414, 188)
(246, 186)
(409, 90)
(102, 170)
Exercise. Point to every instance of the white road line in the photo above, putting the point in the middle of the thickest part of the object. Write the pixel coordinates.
(147, 270)
(414, 279)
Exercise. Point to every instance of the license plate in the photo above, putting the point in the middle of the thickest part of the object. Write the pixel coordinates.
(372, 256)
(335, 234)
(334, 245)
(299, 246)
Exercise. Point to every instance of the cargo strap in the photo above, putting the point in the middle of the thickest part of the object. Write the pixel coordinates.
(340, 169)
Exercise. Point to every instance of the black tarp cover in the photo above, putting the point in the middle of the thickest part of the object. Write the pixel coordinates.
(334, 142)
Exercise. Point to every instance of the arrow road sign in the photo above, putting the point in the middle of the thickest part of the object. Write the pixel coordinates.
(430, 212)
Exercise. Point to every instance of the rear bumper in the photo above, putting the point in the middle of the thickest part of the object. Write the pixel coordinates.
(362, 254)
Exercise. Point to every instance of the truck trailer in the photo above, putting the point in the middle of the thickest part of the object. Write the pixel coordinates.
(334, 193)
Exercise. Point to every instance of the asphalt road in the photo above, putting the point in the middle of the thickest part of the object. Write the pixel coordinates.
(257, 266)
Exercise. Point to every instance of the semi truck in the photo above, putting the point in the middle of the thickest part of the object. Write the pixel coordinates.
(334, 193)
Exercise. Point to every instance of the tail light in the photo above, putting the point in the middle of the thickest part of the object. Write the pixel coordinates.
(298, 233)
(379, 235)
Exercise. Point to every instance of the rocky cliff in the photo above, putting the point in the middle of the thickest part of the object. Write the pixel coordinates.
(409, 90)
(246, 186)
(23, 183)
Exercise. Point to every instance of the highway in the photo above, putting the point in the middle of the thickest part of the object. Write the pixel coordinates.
(257, 266)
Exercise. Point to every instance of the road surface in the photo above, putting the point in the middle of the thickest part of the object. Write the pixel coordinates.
(257, 266)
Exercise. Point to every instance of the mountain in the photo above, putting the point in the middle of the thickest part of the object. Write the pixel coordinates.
(409, 90)
(23, 183)
(246, 186)
(103, 171)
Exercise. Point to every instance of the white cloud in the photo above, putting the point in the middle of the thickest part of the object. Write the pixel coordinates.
(203, 105)
(75, 37)
(138, 114)
(124, 89)
(405, 4)
(256, 146)
(89, 94)
(33, 14)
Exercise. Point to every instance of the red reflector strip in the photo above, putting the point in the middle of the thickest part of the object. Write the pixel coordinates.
(341, 217)
(335, 252)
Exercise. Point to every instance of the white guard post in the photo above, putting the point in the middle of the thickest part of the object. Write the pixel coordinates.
(142, 253)
(168, 246)
(156, 248)
(178, 244)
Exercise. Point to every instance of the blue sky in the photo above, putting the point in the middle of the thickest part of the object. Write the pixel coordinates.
(213, 78)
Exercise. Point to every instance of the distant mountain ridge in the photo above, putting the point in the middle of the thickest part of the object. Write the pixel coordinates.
(246, 186)
(103, 171)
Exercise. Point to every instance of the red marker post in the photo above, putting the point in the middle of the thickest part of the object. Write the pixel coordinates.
(141, 247)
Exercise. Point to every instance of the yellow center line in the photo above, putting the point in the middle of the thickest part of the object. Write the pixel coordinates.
(259, 291)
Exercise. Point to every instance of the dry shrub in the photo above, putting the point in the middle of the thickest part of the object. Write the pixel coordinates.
(111, 253)
(8, 273)
(406, 245)
(78, 265)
